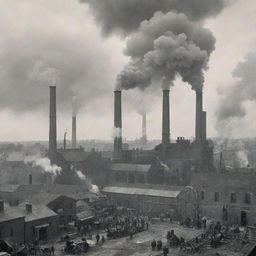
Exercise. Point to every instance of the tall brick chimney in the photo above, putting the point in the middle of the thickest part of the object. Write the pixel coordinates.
(118, 125)
(204, 126)
(74, 131)
(144, 127)
(53, 126)
(199, 114)
(166, 121)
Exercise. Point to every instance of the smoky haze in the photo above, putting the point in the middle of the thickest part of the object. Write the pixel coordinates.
(124, 16)
(233, 100)
(34, 56)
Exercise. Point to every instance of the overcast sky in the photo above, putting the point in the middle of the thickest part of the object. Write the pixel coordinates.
(44, 39)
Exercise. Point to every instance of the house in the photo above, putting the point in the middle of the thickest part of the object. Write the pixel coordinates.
(7, 192)
(41, 223)
(177, 200)
(12, 224)
(64, 206)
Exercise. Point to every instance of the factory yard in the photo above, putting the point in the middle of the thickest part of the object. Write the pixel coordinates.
(140, 244)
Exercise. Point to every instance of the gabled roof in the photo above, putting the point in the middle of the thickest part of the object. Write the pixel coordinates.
(9, 214)
(8, 187)
(142, 191)
(39, 211)
(130, 167)
(45, 198)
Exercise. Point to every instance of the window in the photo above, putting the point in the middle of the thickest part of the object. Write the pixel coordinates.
(216, 196)
(117, 177)
(233, 198)
(247, 198)
(141, 178)
(131, 178)
(202, 195)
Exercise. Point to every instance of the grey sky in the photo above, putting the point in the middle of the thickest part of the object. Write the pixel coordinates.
(62, 35)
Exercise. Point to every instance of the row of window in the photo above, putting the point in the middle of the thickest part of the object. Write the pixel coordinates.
(233, 197)
(122, 177)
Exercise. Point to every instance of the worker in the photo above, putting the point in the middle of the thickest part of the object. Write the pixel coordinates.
(97, 238)
(165, 251)
(153, 244)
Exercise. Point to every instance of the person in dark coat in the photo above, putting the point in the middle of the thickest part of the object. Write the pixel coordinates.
(159, 245)
(165, 251)
(97, 238)
(153, 244)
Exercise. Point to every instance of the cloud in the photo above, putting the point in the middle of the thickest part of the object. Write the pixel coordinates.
(124, 16)
(44, 45)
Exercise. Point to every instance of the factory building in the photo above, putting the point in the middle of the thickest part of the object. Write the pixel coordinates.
(126, 179)
(180, 202)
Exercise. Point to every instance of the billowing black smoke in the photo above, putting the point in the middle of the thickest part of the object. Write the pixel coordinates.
(166, 38)
(166, 46)
(125, 16)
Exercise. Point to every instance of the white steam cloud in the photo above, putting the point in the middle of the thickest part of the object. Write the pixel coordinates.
(92, 187)
(44, 163)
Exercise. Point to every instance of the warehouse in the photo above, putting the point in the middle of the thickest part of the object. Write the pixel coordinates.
(179, 201)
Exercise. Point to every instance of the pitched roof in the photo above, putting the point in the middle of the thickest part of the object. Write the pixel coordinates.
(130, 167)
(77, 192)
(44, 198)
(39, 211)
(8, 187)
(10, 213)
(142, 191)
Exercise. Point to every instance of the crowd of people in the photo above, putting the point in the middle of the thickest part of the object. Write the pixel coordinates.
(126, 225)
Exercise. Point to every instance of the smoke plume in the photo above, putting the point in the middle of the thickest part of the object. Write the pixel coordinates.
(232, 103)
(124, 16)
(166, 46)
(93, 188)
(44, 163)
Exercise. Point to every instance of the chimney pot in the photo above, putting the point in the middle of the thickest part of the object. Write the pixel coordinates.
(30, 179)
(28, 207)
(1, 205)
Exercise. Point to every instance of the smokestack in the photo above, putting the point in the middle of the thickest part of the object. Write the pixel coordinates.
(204, 127)
(65, 140)
(74, 131)
(53, 126)
(221, 160)
(144, 127)
(118, 125)
(166, 119)
(199, 114)
(1, 205)
(30, 181)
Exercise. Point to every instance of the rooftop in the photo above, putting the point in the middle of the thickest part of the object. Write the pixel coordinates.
(10, 214)
(130, 167)
(8, 187)
(39, 211)
(142, 191)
